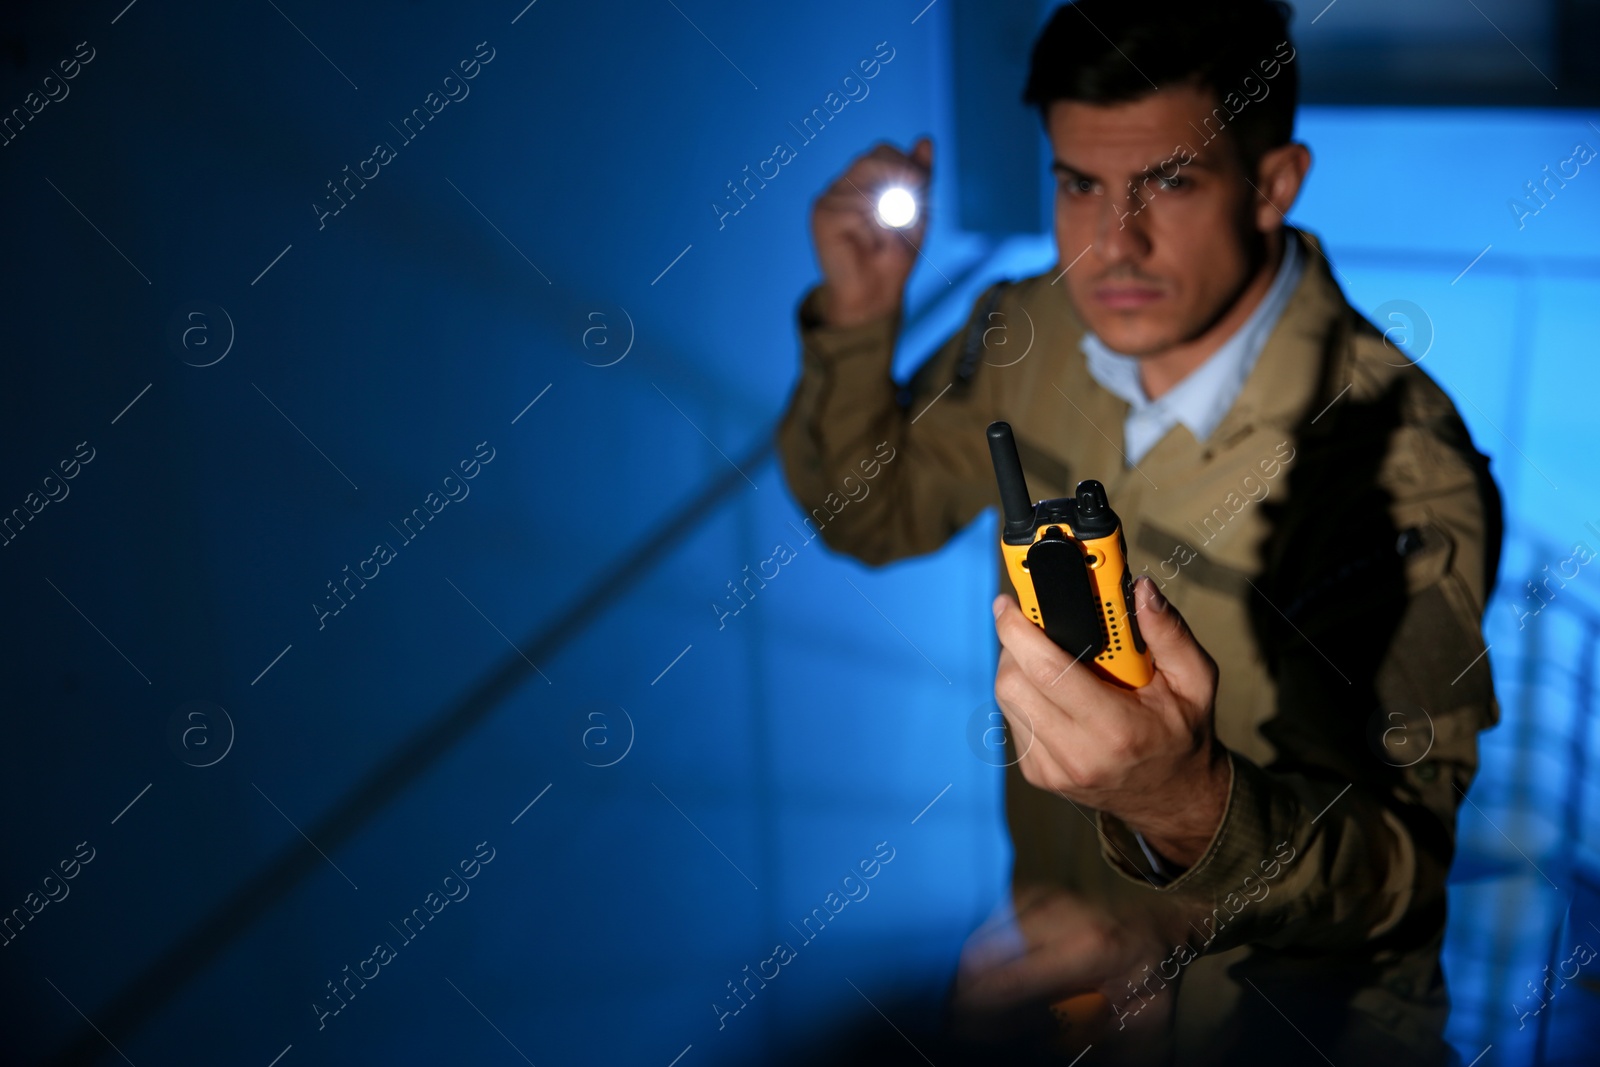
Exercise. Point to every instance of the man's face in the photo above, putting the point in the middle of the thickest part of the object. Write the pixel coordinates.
(1156, 264)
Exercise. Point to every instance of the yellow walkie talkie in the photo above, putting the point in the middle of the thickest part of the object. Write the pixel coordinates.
(1068, 562)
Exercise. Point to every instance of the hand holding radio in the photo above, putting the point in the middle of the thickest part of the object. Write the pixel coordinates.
(1108, 696)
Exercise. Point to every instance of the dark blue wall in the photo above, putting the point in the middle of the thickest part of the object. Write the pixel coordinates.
(382, 347)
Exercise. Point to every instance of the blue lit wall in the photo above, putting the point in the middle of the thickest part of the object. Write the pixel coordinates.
(500, 256)
(501, 259)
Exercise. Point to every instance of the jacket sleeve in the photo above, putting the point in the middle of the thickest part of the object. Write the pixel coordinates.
(1344, 840)
(883, 473)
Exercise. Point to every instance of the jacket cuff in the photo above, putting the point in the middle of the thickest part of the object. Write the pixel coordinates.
(1235, 850)
(821, 343)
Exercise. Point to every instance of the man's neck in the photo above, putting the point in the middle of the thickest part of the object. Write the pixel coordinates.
(1160, 373)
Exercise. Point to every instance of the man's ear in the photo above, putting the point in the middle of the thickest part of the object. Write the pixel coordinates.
(1279, 175)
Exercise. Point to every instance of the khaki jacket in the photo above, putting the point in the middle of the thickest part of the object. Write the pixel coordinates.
(1332, 545)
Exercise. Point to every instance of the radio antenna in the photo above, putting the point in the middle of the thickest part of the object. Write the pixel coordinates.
(1015, 504)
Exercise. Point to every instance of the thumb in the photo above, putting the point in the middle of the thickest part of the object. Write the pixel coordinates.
(1188, 668)
(922, 152)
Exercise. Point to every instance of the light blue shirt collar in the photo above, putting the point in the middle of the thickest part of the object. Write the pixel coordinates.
(1202, 399)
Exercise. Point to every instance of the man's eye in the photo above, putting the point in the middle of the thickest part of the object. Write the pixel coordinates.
(1077, 186)
(1177, 181)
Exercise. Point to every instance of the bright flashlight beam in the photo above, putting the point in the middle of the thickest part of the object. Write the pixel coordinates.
(897, 208)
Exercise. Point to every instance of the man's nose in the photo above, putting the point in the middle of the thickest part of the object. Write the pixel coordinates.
(1119, 232)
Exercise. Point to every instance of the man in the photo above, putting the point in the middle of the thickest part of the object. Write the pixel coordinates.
(1316, 533)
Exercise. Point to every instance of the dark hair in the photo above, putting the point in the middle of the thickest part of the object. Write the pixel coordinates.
(1111, 51)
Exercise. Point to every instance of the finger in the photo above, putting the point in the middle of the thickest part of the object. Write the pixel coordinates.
(1037, 977)
(871, 172)
(1036, 727)
(849, 195)
(1067, 681)
(844, 215)
(1188, 668)
(915, 164)
(1067, 952)
(997, 940)
(922, 152)
(845, 218)
(1040, 910)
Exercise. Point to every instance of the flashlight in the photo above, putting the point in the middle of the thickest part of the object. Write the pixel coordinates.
(897, 207)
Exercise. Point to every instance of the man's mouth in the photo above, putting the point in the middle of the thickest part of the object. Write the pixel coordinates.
(1126, 297)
